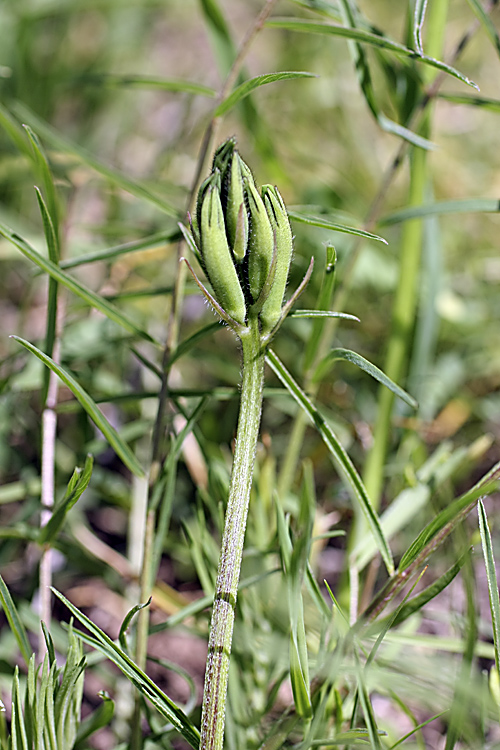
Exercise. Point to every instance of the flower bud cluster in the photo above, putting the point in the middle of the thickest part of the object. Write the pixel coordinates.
(244, 240)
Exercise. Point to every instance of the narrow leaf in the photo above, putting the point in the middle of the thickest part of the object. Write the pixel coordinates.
(149, 82)
(142, 682)
(90, 407)
(344, 464)
(319, 221)
(246, 88)
(469, 205)
(449, 517)
(107, 309)
(73, 493)
(363, 364)
(487, 23)
(475, 101)
(98, 719)
(365, 37)
(14, 621)
(134, 187)
(489, 564)
(322, 314)
(161, 238)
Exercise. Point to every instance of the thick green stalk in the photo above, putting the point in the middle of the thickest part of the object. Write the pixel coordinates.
(221, 627)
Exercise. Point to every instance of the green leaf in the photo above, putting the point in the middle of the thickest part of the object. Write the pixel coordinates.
(150, 82)
(487, 23)
(122, 637)
(246, 88)
(76, 487)
(90, 407)
(489, 564)
(469, 205)
(363, 364)
(161, 238)
(322, 314)
(365, 37)
(318, 221)
(98, 719)
(107, 309)
(430, 592)
(14, 621)
(43, 169)
(344, 464)
(134, 187)
(475, 101)
(137, 677)
(448, 518)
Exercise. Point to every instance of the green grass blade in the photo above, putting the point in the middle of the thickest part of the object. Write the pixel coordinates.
(134, 187)
(98, 719)
(148, 82)
(74, 286)
(246, 88)
(364, 699)
(344, 464)
(365, 37)
(489, 564)
(367, 366)
(475, 101)
(450, 516)
(90, 407)
(418, 22)
(42, 166)
(142, 682)
(160, 238)
(322, 314)
(319, 221)
(14, 621)
(76, 488)
(487, 23)
(469, 205)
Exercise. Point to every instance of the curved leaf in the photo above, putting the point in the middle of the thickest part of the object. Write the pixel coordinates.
(14, 621)
(137, 677)
(363, 364)
(344, 464)
(90, 407)
(322, 314)
(246, 88)
(365, 37)
(318, 221)
(489, 564)
(93, 299)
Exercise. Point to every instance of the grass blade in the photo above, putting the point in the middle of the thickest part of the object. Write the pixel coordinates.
(344, 464)
(149, 82)
(469, 205)
(489, 564)
(365, 37)
(147, 687)
(246, 88)
(76, 487)
(74, 286)
(90, 407)
(14, 621)
(318, 221)
(449, 517)
(367, 366)
(134, 187)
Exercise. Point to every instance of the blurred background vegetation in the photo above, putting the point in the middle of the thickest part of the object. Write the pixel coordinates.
(120, 94)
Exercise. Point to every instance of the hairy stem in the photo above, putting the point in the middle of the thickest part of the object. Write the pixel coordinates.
(221, 628)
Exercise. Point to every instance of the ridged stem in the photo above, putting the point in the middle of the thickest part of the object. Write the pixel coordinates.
(221, 627)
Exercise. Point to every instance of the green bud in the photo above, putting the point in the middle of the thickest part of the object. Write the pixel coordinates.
(236, 212)
(261, 242)
(280, 227)
(216, 254)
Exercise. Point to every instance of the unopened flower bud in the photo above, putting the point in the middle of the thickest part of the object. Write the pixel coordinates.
(280, 227)
(261, 242)
(216, 254)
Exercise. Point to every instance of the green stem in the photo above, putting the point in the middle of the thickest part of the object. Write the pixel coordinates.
(221, 628)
